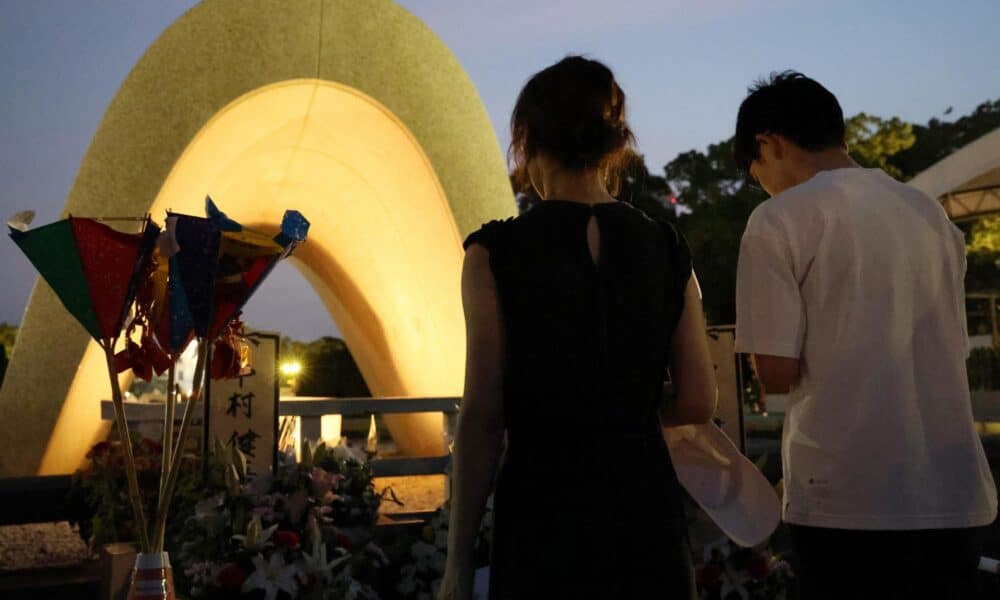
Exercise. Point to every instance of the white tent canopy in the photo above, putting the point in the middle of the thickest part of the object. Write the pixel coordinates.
(966, 181)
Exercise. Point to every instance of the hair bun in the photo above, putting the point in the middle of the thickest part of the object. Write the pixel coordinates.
(573, 111)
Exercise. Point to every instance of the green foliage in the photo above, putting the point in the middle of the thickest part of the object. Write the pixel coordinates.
(647, 192)
(711, 186)
(938, 139)
(983, 254)
(99, 499)
(328, 369)
(8, 334)
(872, 140)
(985, 235)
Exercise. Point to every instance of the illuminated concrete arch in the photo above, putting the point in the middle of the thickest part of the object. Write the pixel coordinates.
(351, 111)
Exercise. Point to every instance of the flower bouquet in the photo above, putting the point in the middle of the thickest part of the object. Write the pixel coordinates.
(729, 571)
(305, 532)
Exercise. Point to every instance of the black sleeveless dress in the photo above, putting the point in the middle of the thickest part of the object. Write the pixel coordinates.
(587, 504)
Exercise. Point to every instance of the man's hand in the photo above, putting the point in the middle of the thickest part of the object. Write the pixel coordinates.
(777, 374)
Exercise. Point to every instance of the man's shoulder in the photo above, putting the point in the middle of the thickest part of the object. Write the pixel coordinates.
(822, 185)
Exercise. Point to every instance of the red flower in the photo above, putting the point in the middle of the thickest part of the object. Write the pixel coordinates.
(232, 576)
(758, 568)
(286, 539)
(151, 446)
(344, 541)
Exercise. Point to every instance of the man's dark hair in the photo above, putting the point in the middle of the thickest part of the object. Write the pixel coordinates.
(792, 105)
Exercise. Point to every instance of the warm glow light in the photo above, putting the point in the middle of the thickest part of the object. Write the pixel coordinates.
(291, 368)
(384, 254)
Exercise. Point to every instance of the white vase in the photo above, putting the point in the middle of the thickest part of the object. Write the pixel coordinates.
(152, 578)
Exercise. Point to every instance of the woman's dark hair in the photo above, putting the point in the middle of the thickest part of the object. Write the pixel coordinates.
(574, 112)
(792, 105)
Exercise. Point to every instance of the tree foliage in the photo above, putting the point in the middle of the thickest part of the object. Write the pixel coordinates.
(8, 334)
(872, 141)
(985, 235)
(712, 187)
(328, 369)
(938, 138)
(983, 272)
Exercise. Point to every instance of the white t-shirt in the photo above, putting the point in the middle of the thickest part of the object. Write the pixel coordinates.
(862, 278)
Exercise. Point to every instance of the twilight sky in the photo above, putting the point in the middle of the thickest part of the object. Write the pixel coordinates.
(684, 64)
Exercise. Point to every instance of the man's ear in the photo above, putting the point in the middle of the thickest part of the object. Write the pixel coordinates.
(779, 145)
(772, 147)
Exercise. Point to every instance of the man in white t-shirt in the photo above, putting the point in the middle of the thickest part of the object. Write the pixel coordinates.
(850, 297)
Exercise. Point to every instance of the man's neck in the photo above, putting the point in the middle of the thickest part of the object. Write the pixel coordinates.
(811, 163)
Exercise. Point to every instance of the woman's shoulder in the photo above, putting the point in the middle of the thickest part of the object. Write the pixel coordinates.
(490, 234)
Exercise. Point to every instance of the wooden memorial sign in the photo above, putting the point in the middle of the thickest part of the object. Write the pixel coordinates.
(244, 411)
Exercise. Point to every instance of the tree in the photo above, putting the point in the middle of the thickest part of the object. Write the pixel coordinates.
(983, 249)
(872, 141)
(720, 202)
(938, 139)
(8, 335)
(649, 193)
(985, 235)
(328, 369)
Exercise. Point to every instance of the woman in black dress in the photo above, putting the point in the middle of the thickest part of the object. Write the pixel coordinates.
(574, 311)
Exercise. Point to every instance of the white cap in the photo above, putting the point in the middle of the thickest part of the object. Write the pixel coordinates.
(724, 483)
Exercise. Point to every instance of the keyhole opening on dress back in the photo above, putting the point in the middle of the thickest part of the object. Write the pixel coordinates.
(594, 239)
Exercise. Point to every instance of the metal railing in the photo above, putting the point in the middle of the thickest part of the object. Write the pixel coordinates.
(310, 410)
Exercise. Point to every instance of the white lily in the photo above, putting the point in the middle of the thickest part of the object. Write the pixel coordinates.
(272, 576)
(256, 537)
(316, 563)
